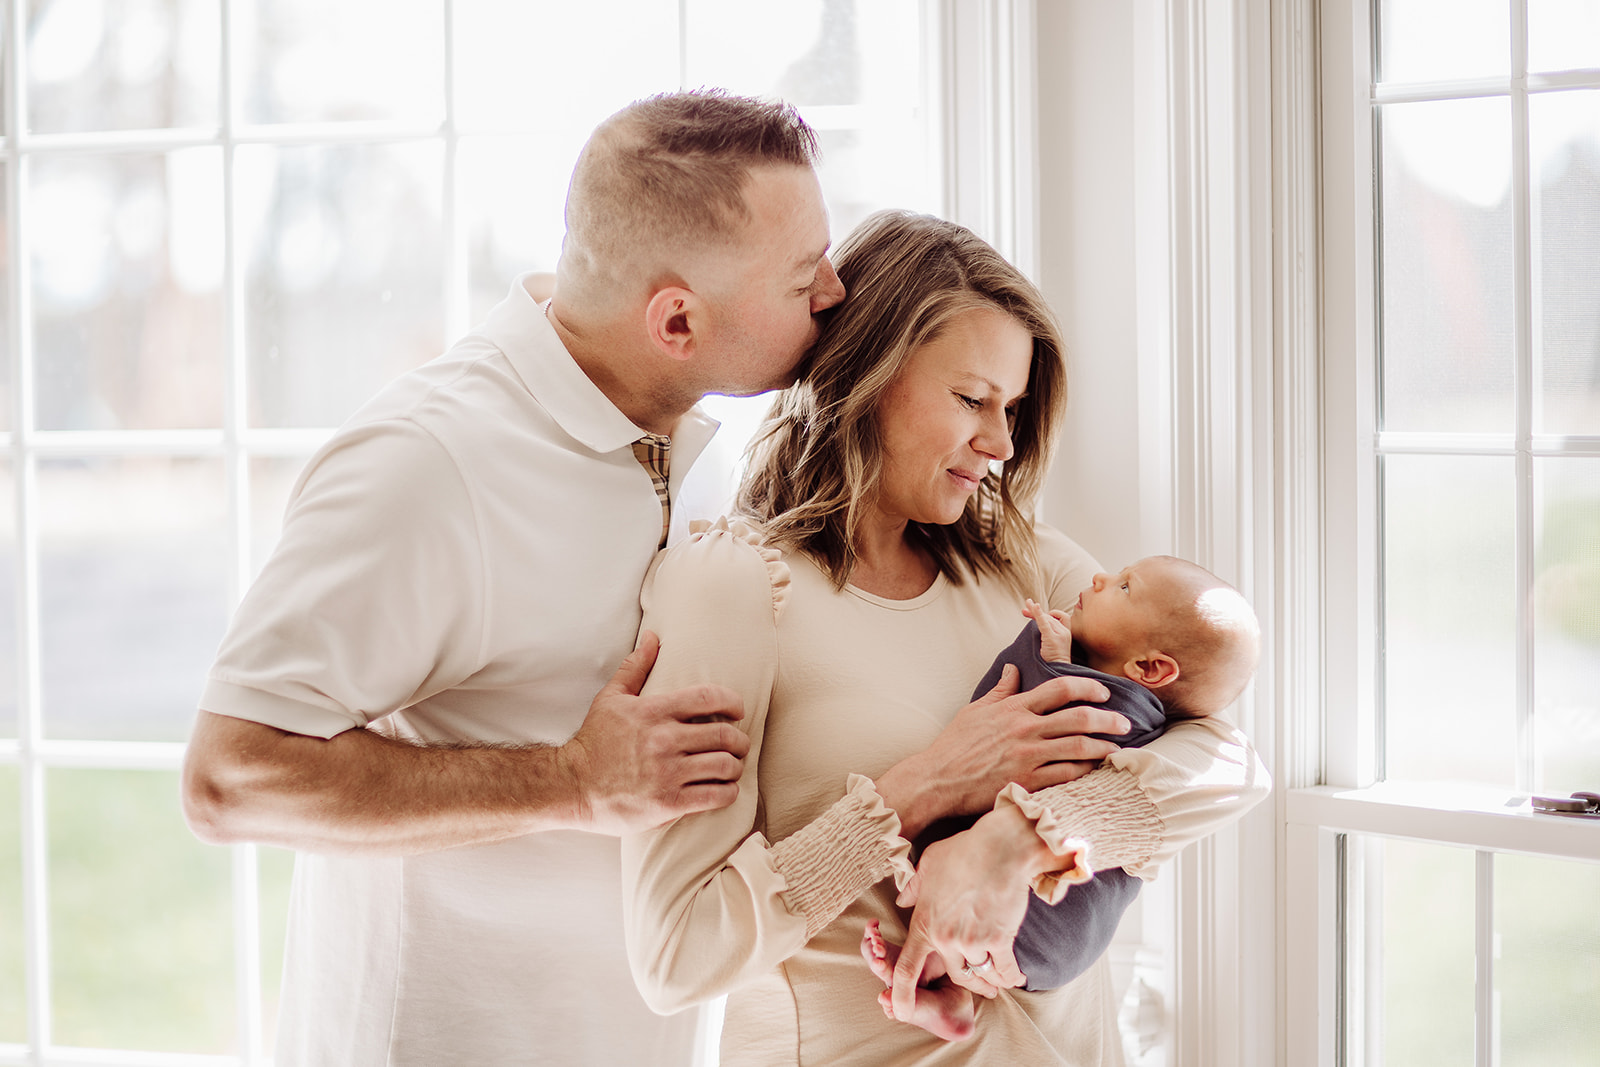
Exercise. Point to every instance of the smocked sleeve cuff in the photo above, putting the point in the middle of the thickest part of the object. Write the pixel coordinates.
(836, 857)
(1106, 807)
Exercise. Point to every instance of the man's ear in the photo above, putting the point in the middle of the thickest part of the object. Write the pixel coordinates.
(671, 318)
(1152, 670)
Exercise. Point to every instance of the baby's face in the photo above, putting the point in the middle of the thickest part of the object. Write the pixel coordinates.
(1121, 613)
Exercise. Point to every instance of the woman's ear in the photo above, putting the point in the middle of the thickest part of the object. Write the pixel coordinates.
(1152, 670)
(671, 318)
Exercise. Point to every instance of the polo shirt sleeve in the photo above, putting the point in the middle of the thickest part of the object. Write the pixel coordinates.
(374, 597)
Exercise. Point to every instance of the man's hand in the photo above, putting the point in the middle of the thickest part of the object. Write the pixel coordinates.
(638, 762)
(1001, 738)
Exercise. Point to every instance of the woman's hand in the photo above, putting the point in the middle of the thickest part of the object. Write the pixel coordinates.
(1003, 737)
(971, 894)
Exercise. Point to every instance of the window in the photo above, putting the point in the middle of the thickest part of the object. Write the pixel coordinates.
(1461, 479)
(228, 223)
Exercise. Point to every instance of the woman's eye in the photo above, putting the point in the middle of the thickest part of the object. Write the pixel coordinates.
(970, 401)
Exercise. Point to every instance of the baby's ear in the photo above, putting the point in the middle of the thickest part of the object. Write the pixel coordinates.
(1152, 670)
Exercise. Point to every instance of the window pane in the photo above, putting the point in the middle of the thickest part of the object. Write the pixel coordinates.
(127, 64)
(132, 590)
(127, 261)
(1546, 976)
(356, 60)
(1563, 34)
(517, 69)
(9, 561)
(13, 1000)
(1424, 967)
(1449, 618)
(512, 190)
(271, 479)
(807, 51)
(7, 366)
(1564, 139)
(1567, 625)
(275, 870)
(1446, 266)
(141, 936)
(344, 273)
(1435, 40)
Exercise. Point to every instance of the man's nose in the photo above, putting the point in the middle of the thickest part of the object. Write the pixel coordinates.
(830, 290)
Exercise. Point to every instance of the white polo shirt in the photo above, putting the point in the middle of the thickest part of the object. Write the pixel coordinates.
(463, 557)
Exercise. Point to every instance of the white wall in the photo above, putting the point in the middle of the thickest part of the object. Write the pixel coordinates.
(1097, 162)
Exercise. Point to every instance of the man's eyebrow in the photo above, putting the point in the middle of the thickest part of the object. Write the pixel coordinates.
(810, 261)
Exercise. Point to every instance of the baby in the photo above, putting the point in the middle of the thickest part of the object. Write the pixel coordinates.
(1171, 641)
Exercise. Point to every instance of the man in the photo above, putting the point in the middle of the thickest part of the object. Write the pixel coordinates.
(407, 695)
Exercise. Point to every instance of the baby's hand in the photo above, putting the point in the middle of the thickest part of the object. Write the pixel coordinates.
(1055, 635)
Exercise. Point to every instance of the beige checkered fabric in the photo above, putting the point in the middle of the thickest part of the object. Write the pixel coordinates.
(654, 452)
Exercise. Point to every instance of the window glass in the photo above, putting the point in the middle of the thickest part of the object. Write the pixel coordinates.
(1545, 974)
(512, 189)
(1438, 40)
(141, 937)
(122, 64)
(9, 562)
(13, 996)
(1564, 145)
(1567, 625)
(356, 60)
(127, 258)
(1446, 266)
(344, 273)
(518, 67)
(271, 480)
(1563, 34)
(1425, 974)
(132, 593)
(7, 363)
(1449, 618)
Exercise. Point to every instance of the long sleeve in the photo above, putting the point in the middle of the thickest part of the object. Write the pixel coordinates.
(709, 905)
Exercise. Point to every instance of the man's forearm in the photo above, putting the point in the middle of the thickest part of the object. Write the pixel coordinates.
(360, 792)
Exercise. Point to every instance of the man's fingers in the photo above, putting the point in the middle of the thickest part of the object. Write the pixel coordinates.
(702, 703)
(703, 796)
(694, 738)
(710, 767)
(635, 667)
(907, 969)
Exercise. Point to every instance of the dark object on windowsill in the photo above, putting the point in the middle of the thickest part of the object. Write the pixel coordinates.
(1579, 805)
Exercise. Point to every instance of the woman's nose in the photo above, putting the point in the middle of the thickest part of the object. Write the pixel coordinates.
(994, 438)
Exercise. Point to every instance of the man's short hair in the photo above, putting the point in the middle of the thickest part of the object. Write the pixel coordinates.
(671, 169)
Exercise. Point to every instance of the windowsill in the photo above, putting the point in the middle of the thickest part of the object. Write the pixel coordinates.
(1471, 816)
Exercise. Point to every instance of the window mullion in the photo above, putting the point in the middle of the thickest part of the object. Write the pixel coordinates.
(1485, 1018)
(1522, 354)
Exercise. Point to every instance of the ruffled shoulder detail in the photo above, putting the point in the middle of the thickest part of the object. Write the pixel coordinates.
(741, 530)
(1051, 887)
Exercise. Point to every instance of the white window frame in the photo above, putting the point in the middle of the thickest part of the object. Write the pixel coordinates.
(1327, 1004)
(984, 125)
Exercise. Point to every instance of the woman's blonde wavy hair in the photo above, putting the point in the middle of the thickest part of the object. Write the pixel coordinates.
(815, 462)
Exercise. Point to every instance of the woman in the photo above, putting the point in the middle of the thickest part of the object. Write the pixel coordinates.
(885, 549)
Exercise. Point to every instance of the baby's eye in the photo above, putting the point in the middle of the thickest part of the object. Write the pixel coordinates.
(1124, 587)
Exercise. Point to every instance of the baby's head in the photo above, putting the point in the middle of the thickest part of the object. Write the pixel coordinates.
(1173, 627)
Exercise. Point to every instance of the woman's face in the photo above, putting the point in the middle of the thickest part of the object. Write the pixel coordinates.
(949, 415)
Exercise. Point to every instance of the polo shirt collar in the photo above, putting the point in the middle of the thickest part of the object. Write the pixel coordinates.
(518, 327)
